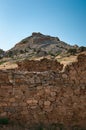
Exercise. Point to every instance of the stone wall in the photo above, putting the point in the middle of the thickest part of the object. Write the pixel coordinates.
(42, 65)
(45, 97)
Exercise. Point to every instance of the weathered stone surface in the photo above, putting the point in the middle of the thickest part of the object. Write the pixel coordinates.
(42, 65)
(64, 76)
(47, 103)
(46, 96)
(12, 100)
(32, 102)
(4, 114)
(53, 94)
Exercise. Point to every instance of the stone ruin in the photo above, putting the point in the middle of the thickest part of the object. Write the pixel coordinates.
(45, 95)
(40, 65)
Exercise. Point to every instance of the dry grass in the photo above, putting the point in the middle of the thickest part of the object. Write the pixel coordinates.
(8, 65)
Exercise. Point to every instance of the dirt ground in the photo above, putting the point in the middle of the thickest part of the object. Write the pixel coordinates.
(8, 65)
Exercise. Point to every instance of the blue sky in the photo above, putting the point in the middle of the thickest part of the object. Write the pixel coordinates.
(65, 19)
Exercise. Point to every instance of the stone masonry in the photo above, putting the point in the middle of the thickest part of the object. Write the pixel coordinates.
(46, 97)
(40, 65)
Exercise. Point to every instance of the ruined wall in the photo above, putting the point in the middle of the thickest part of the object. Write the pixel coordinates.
(45, 97)
(42, 65)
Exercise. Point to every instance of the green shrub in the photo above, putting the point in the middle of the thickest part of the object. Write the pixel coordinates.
(10, 53)
(50, 53)
(4, 121)
(1, 51)
(58, 53)
(2, 62)
(82, 48)
(57, 126)
(21, 51)
(72, 51)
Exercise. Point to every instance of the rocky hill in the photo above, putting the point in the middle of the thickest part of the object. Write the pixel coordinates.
(38, 45)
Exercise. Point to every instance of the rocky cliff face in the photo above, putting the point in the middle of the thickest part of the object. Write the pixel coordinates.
(45, 97)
